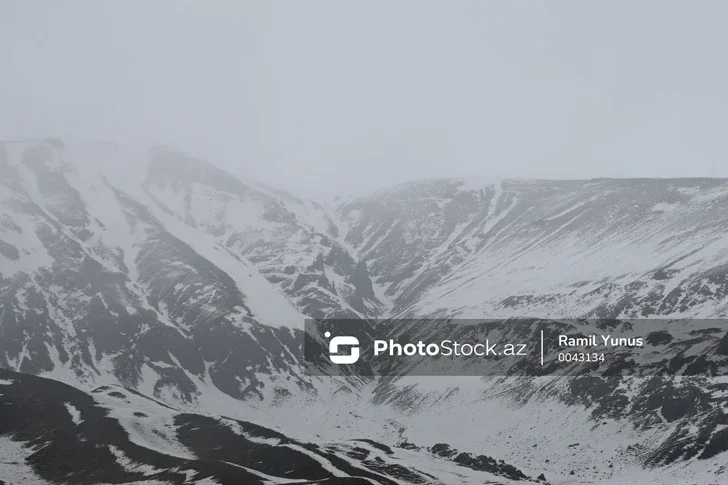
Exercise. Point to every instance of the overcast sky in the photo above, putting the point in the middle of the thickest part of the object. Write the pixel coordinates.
(347, 96)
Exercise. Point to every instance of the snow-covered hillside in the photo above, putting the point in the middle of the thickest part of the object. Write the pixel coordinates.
(53, 433)
(605, 247)
(159, 272)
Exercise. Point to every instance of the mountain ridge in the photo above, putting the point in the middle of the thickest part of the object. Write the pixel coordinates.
(159, 273)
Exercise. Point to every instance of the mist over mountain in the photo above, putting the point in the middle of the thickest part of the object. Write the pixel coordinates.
(153, 282)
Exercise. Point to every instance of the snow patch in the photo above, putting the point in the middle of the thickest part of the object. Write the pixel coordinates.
(75, 414)
(14, 469)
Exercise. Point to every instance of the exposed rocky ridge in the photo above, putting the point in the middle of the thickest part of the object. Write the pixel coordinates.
(604, 247)
(111, 293)
(292, 242)
(468, 460)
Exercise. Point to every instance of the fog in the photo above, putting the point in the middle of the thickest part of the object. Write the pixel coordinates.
(328, 96)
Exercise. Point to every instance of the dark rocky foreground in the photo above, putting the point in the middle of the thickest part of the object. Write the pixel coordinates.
(74, 437)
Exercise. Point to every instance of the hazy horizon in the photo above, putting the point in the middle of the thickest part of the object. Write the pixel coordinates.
(348, 98)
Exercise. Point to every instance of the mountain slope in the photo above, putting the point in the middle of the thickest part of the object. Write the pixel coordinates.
(292, 242)
(604, 247)
(107, 286)
(163, 274)
(556, 249)
(54, 433)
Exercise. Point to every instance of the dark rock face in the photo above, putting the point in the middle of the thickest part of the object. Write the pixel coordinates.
(659, 338)
(479, 462)
(722, 348)
(9, 251)
(34, 411)
(78, 438)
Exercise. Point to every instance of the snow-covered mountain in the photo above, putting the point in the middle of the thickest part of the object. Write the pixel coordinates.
(161, 273)
(110, 270)
(603, 247)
